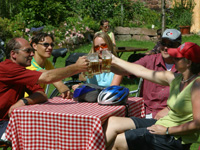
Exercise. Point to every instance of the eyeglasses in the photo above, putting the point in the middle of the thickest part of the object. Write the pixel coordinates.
(28, 50)
(103, 46)
(47, 44)
(170, 44)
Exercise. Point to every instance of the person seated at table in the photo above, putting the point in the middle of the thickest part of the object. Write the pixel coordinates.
(156, 48)
(102, 41)
(104, 27)
(155, 95)
(180, 127)
(43, 44)
(15, 79)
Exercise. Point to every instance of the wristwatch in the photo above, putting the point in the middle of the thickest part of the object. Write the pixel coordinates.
(25, 101)
(167, 131)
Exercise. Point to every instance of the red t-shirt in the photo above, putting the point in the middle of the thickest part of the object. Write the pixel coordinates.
(155, 95)
(15, 80)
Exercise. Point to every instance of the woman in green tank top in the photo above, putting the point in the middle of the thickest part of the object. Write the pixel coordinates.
(180, 127)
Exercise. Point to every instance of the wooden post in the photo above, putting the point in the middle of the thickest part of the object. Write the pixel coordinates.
(163, 15)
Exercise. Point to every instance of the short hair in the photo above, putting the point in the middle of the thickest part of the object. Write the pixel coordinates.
(12, 45)
(108, 41)
(103, 21)
(40, 37)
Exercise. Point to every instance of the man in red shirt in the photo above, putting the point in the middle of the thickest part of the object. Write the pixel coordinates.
(155, 95)
(15, 79)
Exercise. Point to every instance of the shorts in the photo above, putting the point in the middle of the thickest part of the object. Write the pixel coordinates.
(141, 139)
(3, 126)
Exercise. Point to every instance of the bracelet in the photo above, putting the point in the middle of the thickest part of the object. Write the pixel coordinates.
(25, 101)
(167, 131)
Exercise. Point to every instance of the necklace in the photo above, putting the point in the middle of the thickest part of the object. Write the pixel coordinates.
(183, 81)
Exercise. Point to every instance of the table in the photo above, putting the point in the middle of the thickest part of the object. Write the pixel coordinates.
(64, 124)
(121, 50)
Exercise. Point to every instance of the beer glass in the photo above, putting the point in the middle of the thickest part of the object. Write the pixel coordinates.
(88, 73)
(94, 63)
(106, 61)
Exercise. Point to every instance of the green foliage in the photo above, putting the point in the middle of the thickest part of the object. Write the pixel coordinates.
(140, 15)
(38, 13)
(10, 29)
(180, 14)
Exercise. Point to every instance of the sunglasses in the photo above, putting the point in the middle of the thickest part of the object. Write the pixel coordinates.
(103, 46)
(28, 50)
(170, 45)
(47, 44)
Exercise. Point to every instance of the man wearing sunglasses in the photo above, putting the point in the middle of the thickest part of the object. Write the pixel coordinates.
(155, 95)
(43, 44)
(15, 79)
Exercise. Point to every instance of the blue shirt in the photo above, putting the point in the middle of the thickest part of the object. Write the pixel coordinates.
(103, 79)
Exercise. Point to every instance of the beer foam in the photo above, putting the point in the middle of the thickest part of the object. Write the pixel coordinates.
(107, 57)
(94, 61)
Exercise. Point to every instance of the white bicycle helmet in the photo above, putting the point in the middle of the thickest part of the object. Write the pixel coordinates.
(113, 95)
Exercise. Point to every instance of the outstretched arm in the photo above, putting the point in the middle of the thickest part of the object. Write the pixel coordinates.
(120, 66)
(58, 74)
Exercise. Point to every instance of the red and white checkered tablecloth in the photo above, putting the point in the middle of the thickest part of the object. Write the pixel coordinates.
(64, 124)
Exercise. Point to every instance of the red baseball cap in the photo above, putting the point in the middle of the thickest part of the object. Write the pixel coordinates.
(189, 50)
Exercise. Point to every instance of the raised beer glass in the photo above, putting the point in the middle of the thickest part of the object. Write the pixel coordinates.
(106, 61)
(94, 63)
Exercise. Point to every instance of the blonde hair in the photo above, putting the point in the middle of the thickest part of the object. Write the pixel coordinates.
(107, 40)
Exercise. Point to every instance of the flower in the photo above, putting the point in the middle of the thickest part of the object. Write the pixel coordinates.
(27, 30)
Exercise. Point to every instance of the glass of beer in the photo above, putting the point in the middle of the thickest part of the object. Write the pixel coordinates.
(106, 61)
(88, 73)
(94, 63)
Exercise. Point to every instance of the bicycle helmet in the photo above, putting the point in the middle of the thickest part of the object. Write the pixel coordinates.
(87, 93)
(113, 95)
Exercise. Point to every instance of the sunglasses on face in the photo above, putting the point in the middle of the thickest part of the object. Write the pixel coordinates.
(28, 50)
(47, 44)
(103, 46)
(169, 45)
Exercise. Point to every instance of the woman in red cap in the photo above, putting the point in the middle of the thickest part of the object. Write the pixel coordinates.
(180, 127)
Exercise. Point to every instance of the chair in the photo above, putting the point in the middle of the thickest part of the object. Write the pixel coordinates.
(137, 91)
(5, 144)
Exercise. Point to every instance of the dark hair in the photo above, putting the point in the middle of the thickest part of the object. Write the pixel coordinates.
(159, 32)
(103, 21)
(40, 37)
(195, 68)
(12, 45)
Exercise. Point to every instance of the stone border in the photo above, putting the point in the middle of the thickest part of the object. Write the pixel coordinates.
(126, 33)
